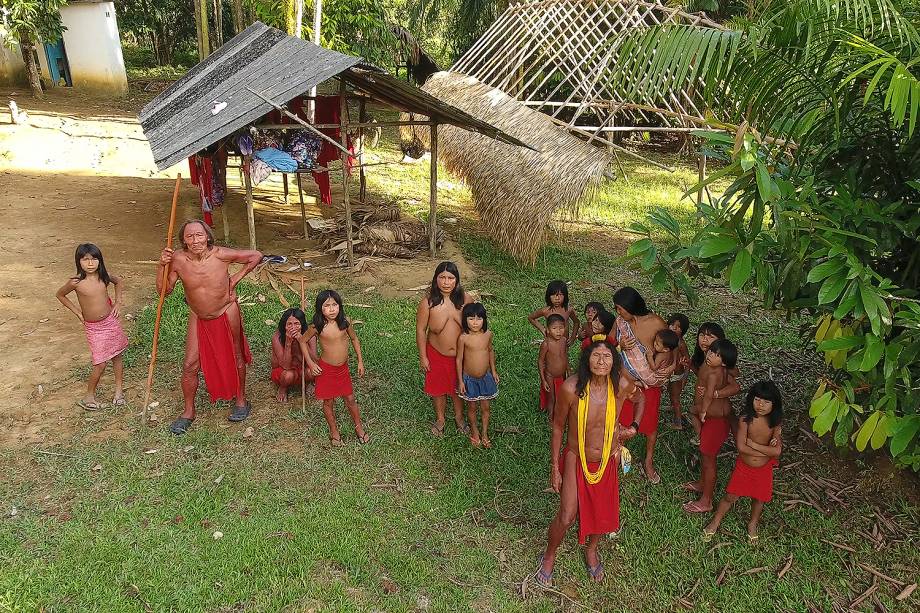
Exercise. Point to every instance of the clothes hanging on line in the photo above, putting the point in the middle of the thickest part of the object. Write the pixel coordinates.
(208, 171)
(328, 110)
(304, 146)
(277, 159)
(258, 171)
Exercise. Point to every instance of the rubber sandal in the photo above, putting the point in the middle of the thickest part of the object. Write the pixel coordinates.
(336, 442)
(90, 406)
(119, 402)
(464, 429)
(438, 432)
(240, 413)
(596, 571)
(654, 481)
(677, 423)
(180, 425)
(543, 579)
(707, 535)
(694, 507)
(487, 443)
(752, 538)
(475, 442)
(364, 440)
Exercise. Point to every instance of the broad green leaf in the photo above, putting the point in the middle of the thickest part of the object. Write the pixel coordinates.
(831, 289)
(818, 405)
(825, 269)
(867, 297)
(741, 270)
(821, 332)
(640, 246)
(764, 182)
(875, 348)
(660, 280)
(844, 428)
(717, 245)
(841, 342)
(904, 433)
(847, 303)
(649, 258)
(880, 435)
(865, 431)
(722, 137)
(826, 418)
(819, 392)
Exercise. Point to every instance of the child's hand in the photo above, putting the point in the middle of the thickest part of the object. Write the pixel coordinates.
(703, 417)
(495, 376)
(315, 370)
(360, 368)
(462, 388)
(115, 310)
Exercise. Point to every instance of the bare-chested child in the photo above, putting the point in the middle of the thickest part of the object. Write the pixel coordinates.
(553, 362)
(679, 323)
(99, 315)
(333, 378)
(287, 363)
(708, 333)
(601, 329)
(663, 357)
(759, 446)
(478, 379)
(592, 309)
(557, 303)
(714, 414)
(437, 329)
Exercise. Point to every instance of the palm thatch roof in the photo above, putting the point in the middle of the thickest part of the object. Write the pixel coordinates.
(516, 190)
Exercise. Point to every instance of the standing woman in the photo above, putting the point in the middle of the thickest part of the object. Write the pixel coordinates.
(437, 328)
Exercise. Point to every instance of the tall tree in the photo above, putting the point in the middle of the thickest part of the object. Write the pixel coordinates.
(164, 23)
(27, 21)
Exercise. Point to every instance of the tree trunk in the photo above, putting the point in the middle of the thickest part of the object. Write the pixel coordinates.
(28, 55)
(218, 24)
(201, 26)
(290, 17)
(237, 10)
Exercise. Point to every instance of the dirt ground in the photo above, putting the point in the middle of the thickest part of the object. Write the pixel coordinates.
(81, 171)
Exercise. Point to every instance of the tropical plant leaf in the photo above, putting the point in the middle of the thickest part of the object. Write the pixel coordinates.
(866, 430)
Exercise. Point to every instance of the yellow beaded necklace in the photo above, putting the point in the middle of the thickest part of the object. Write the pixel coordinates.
(610, 423)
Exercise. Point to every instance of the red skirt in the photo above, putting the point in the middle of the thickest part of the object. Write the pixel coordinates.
(333, 382)
(649, 423)
(544, 396)
(276, 374)
(750, 482)
(217, 357)
(714, 432)
(598, 504)
(441, 378)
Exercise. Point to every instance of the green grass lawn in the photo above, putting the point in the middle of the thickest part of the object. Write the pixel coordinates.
(412, 523)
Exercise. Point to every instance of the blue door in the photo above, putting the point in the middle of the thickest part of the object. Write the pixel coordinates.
(57, 63)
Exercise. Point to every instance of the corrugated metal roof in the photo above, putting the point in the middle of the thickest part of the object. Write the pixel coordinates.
(180, 122)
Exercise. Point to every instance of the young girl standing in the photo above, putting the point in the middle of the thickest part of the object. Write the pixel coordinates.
(333, 378)
(557, 303)
(478, 380)
(107, 339)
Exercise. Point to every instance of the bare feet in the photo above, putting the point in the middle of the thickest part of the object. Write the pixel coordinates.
(336, 441)
(651, 474)
(437, 429)
(695, 507)
(282, 395)
(486, 443)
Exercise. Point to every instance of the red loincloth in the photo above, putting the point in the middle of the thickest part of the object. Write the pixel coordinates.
(715, 431)
(649, 423)
(751, 482)
(598, 504)
(441, 378)
(544, 396)
(333, 382)
(106, 338)
(217, 357)
(276, 374)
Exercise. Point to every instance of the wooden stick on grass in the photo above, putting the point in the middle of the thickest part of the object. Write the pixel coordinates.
(156, 325)
(303, 361)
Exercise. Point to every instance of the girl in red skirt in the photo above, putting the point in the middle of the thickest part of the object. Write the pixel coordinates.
(759, 446)
(333, 378)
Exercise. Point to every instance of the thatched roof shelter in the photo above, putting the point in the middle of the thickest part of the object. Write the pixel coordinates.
(516, 190)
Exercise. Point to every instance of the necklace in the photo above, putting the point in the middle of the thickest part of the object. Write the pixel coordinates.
(610, 422)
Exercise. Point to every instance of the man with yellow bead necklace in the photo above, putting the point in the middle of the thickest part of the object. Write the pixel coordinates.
(584, 473)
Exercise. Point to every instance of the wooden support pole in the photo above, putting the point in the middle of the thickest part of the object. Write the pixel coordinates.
(303, 361)
(163, 284)
(250, 213)
(362, 177)
(226, 222)
(284, 179)
(343, 133)
(433, 201)
(303, 210)
(702, 169)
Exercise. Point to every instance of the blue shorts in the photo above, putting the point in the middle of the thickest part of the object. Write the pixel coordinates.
(482, 388)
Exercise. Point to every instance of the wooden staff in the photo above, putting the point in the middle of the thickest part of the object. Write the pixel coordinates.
(156, 325)
(303, 362)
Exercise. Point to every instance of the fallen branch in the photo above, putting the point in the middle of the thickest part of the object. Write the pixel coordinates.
(53, 453)
(839, 546)
(785, 568)
(881, 575)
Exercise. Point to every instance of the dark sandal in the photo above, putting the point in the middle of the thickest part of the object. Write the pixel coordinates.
(180, 425)
(542, 578)
(438, 432)
(364, 440)
(90, 406)
(240, 413)
(596, 571)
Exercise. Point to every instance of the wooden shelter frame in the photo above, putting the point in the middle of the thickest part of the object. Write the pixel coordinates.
(574, 43)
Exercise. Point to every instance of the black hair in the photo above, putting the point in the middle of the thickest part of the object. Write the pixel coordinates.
(608, 320)
(710, 327)
(474, 309)
(631, 300)
(554, 318)
(557, 287)
(299, 315)
(93, 251)
(584, 367)
(668, 338)
(207, 230)
(767, 390)
(681, 319)
(434, 294)
(318, 320)
(726, 350)
(597, 306)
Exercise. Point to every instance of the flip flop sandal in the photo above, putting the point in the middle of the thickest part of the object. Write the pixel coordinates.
(475, 442)
(364, 440)
(90, 406)
(464, 429)
(180, 425)
(240, 413)
(543, 579)
(336, 442)
(435, 430)
(487, 443)
(653, 480)
(693, 507)
(677, 423)
(119, 402)
(596, 571)
(707, 536)
(752, 538)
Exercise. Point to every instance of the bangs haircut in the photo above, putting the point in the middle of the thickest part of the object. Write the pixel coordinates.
(726, 350)
(282, 323)
(319, 320)
(608, 320)
(554, 318)
(668, 338)
(707, 327)
(597, 306)
(93, 251)
(207, 231)
(681, 319)
(631, 300)
(584, 367)
(767, 390)
(434, 294)
(474, 309)
(557, 287)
